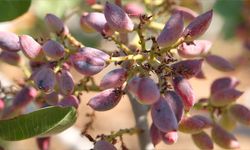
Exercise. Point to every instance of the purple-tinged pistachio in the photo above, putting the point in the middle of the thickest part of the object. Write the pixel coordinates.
(188, 68)
(171, 31)
(155, 134)
(134, 9)
(43, 143)
(52, 98)
(175, 103)
(85, 24)
(144, 89)
(56, 25)
(30, 47)
(184, 89)
(114, 79)
(11, 58)
(163, 117)
(198, 26)
(194, 124)
(187, 14)
(223, 83)
(133, 85)
(219, 63)
(2, 104)
(196, 49)
(224, 97)
(227, 121)
(94, 53)
(53, 49)
(200, 75)
(223, 138)
(70, 100)
(147, 92)
(117, 18)
(89, 61)
(65, 82)
(203, 141)
(240, 113)
(105, 100)
(104, 145)
(45, 79)
(95, 21)
(170, 137)
(24, 97)
(9, 41)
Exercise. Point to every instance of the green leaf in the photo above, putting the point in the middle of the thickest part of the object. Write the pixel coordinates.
(11, 9)
(44, 122)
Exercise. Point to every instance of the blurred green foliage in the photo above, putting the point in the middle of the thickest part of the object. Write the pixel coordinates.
(230, 10)
(11, 9)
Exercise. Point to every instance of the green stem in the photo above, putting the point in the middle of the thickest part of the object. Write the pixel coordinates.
(128, 57)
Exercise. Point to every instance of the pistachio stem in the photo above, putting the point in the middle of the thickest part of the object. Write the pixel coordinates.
(128, 57)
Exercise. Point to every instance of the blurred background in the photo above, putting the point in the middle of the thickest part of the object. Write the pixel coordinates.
(229, 33)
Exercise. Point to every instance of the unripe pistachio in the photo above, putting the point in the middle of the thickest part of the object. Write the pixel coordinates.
(240, 113)
(56, 25)
(11, 58)
(70, 100)
(52, 98)
(223, 138)
(94, 53)
(187, 14)
(170, 137)
(95, 21)
(175, 103)
(117, 18)
(89, 61)
(29, 46)
(24, 97)
(9, 41)
(198, 26)
(104, 145)
(196, 49)
(114, 78)
(219, 63)
(223, 83)
(163, 117)
(171, 31)
(155, 135)
(105, 100)
(133, 85)
(134, 9)
(144, 89)
(184, 89)
(2, 104)
(65, 82)
(203, 141)
(188, 68)
(194, 124)
(225, 97)
(227, 121)
(45, 79)
(53, 49)
(147, 92)
(43, 143)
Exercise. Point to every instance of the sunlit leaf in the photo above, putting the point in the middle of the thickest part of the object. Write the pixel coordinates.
(44, 122)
